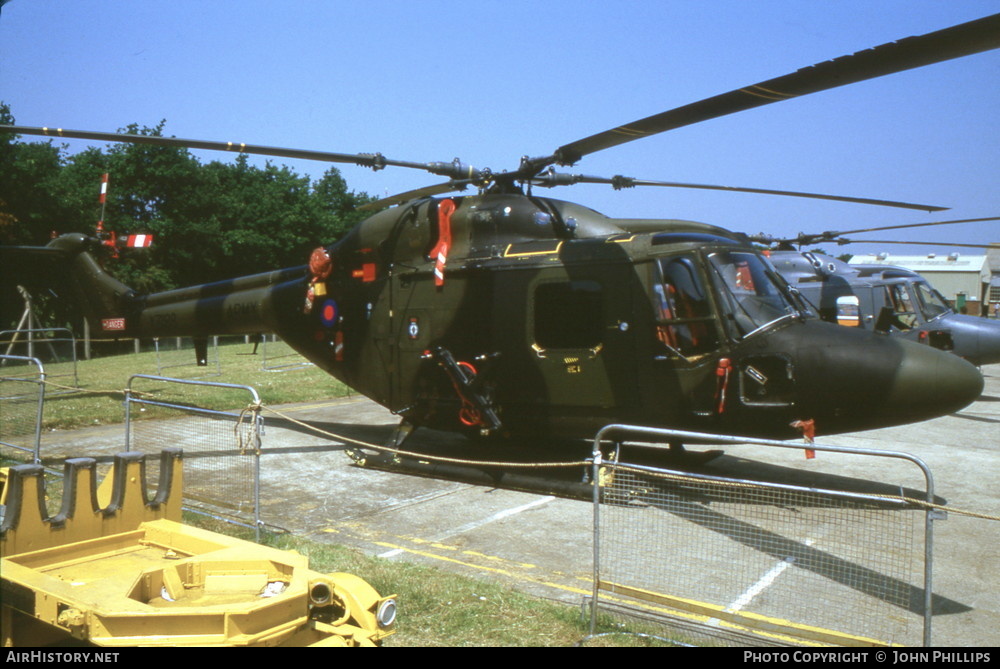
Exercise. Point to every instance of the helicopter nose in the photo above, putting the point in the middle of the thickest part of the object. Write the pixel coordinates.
(851, 380)
(987, 350)
(989, 347)
(929, 383)
(971, 337)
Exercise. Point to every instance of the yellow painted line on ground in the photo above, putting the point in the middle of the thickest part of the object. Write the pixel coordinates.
(405, 544)
(484, 556)
(367, 534)
(478, 567)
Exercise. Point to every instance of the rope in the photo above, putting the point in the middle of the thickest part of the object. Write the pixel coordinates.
(424, 456)
(248, 435)
(624, 467)
(740, 484)
(89, 392)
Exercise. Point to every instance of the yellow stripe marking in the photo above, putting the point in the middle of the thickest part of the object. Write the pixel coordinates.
(767, 94)
(507, 253)
(494, 570)
(747, 619)
(629, 132)
(779, 94)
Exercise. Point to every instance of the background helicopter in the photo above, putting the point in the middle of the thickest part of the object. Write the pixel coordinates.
(883, 298)
(573, 319)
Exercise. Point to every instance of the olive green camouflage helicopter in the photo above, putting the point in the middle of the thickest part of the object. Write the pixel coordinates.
(506, 313)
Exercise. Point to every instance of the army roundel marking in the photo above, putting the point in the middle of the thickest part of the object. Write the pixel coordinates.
(328, 314)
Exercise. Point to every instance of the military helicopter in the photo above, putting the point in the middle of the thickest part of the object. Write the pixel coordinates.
(883, 298)
(506, 313)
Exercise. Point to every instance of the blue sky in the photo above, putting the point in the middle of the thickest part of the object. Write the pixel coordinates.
(492, 81)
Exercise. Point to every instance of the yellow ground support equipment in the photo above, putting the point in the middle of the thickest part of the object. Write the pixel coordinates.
(113, 569)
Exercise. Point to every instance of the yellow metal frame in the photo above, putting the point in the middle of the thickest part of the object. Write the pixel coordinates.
(129, 574)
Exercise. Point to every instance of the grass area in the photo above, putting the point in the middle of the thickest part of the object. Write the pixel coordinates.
(438, 608)
(102, 382)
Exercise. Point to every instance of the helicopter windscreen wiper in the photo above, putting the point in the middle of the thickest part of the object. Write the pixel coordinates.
(756, 299)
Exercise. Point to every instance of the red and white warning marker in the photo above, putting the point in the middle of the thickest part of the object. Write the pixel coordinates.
(110, 238)
(139, 241)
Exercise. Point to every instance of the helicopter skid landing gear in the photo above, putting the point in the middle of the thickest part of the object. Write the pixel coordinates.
(402, 433)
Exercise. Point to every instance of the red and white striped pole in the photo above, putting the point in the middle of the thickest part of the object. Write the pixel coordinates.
(108, 239)
(103, 200)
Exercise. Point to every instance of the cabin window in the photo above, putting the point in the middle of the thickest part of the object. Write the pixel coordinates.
(849, 311)
(684, 319)
(568, 315)
(904, 316)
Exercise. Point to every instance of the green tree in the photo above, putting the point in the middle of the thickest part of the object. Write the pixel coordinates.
(339, 205)
(210, 221)
(31, 196)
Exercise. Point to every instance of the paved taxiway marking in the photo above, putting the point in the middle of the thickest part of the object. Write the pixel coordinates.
(765, 582)
(404, 503)
(500, 515)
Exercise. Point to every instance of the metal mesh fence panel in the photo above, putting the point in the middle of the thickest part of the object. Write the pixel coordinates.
(278, 356)
(55, 347)
(221, 448)
(22, 395)
(218, 473)
(729, 562)
(177, 357)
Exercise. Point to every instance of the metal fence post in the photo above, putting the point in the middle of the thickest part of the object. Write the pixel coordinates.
(39, 381)
(747, 520)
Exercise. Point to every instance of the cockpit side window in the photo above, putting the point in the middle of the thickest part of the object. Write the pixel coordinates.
(684, 316)
(904, 315)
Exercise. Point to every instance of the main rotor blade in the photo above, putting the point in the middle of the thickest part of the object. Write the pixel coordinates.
(550, 179)
(896, 241)
(912, 52)
(376, 161)
(913, 225)
(804, 238)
